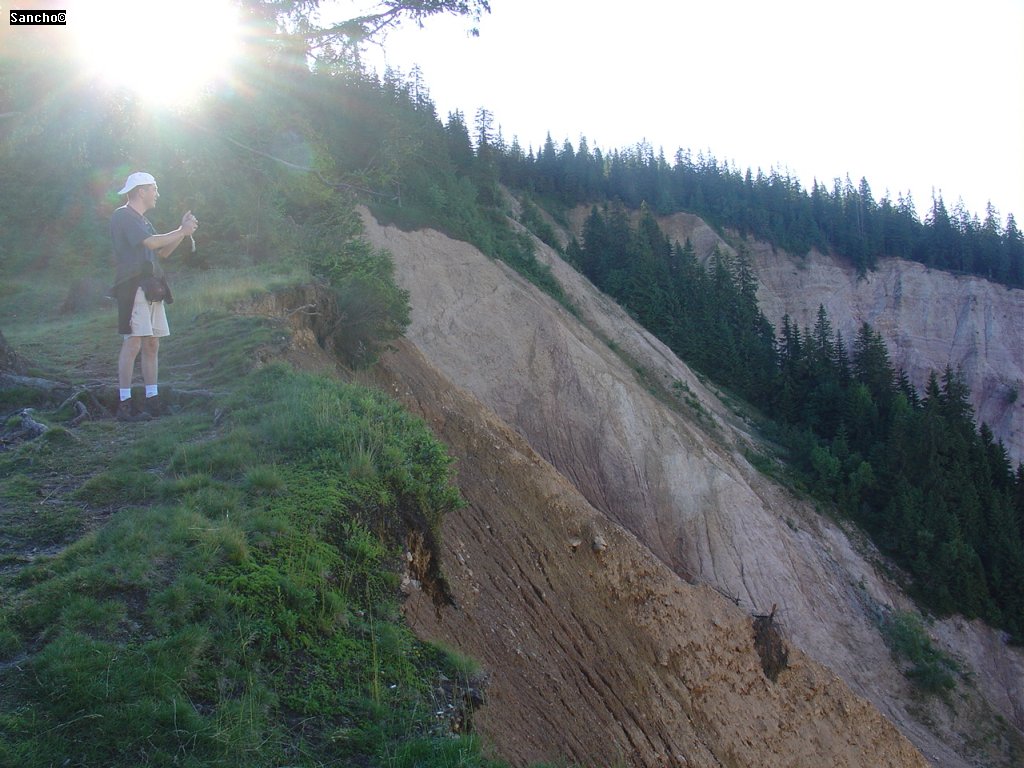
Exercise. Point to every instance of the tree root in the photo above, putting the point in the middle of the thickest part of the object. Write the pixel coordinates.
(769, 645)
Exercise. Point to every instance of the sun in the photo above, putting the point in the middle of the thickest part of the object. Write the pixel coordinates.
(168, 51)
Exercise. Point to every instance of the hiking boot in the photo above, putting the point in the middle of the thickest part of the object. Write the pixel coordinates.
(154, 407)
(126, 412)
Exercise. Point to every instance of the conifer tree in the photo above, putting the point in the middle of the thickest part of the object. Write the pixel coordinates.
(1013, 245)
(596, 247)
(460, 148)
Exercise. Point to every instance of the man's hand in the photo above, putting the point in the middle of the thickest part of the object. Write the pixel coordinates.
(189, 223)
(164, 245)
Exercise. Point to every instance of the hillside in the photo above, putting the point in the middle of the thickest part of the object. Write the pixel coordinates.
(596, 651)
(620, 567)
(595, 397)
(929, 318)
(132, 555)
(603, 574)
(219, 587)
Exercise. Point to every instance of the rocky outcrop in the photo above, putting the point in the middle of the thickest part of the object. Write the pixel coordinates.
(656, 453)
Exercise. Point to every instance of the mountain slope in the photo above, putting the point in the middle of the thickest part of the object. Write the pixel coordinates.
(929, 318)
(597, 652)
(668, 469)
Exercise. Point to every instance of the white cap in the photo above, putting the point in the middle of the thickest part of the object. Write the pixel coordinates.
(137, 179)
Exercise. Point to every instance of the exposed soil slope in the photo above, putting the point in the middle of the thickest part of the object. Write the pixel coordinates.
(594, 396)
(598, 653)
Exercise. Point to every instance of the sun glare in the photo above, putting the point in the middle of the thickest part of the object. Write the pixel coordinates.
(168, 51)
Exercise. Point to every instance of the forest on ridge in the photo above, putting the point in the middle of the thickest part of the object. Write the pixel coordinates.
(843, 219)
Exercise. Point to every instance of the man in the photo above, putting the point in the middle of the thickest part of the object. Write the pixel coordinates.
(141, 323)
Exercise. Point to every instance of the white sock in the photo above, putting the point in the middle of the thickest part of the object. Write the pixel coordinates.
(126, 394)
(151, 390)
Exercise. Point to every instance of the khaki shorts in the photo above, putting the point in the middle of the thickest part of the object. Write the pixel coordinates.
(148, 317)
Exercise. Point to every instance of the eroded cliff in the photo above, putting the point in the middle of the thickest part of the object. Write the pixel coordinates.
(596, 652)
(596, 397)
(928, 318)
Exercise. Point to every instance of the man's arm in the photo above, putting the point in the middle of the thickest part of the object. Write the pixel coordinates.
(164, 245)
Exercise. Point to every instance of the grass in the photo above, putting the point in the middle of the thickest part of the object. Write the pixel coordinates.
(219, 588)
(79, 347)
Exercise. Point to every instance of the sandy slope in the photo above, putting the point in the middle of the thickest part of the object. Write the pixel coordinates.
(669, 473)
(598, 653)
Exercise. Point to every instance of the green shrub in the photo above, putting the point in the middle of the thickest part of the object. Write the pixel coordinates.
(930, 669)
(368, 308)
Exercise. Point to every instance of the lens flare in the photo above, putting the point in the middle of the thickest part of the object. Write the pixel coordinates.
(169, 53)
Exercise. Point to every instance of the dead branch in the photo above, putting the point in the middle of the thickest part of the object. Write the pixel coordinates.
(75, 401)
(306, 309)
(734, 599)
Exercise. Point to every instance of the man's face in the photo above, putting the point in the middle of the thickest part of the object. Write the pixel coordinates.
(148, 195)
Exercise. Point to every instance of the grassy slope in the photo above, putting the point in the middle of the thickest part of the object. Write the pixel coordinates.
(219, 587)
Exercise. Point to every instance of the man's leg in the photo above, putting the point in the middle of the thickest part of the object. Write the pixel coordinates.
(150, 351)
(125, 368)
(126, 361)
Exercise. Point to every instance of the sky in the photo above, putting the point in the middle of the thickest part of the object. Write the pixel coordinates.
(916, 96)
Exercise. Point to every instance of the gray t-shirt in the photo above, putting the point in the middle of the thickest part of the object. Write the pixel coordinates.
(128, 229)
